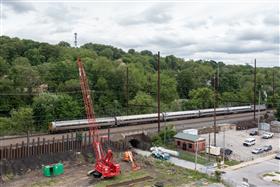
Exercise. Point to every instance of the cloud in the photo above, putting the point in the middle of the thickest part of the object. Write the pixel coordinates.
(157, 14)
(19, 6)
(272, 19)
(233, 34)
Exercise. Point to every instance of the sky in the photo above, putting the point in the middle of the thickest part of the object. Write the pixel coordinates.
(235, 32)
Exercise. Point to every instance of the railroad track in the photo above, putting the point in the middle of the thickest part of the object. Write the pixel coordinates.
(152, 127)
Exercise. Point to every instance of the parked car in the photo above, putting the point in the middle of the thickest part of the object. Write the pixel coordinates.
(267, 135)
(277, 156)
(249, 142)
(226, 151)
(160, 155)
(267, 147)
(253, 133)
(257, 150)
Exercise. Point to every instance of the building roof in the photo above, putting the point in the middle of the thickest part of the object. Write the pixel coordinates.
(187, 136)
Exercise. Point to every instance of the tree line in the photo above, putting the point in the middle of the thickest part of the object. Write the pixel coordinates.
(39, 83)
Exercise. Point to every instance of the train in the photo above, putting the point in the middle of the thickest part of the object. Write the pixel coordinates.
(82, 124)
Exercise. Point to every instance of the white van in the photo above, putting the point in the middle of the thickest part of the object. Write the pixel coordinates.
(249, 142)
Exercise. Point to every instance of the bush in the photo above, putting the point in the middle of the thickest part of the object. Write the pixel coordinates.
(165, 136)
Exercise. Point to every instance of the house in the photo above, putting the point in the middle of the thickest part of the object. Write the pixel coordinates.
(188, 142)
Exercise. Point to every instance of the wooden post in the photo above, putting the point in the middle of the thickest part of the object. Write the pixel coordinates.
(22, 150)
(85, 141)
(44, 146)
(71, 140)
(67, 142)
(53, 148)
(10, 151)
(38, 144)
(33, 145)
(16, 151)
(62, 143)
(1, 155)
(48, 147)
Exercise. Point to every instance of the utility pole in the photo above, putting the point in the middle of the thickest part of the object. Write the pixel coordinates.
(209, 140)
(158, 90)
(259, 112)
(224, 145)
(126, 90)
(273, 88)
(255, 80)
(215, 100)
(196, 150)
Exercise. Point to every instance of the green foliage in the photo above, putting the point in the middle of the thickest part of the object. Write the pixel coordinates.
(278, 111)
(49, 107)
(6, 126)
(202, 98)
(165, 136)
(29, 68)
(143, 103)
(22, 119)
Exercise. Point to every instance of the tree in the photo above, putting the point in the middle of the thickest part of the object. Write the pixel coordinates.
(22, 119)
(278, 111)
(48, 107)
(107, 52)
(202, 98)
(185, 83)
(142, 103)
(4, 67)
(63, 44)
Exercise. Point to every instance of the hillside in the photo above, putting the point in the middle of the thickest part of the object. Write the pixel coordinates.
(39, 83)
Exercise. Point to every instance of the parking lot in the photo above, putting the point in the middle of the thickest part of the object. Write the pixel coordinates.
(234, 141)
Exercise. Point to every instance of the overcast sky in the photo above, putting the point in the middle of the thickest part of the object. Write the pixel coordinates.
(234, 32)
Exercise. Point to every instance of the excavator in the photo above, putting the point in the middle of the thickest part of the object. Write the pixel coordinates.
(128, 157)
(104, 166)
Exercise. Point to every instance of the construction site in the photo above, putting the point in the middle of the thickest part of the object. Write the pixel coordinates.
(139, 94)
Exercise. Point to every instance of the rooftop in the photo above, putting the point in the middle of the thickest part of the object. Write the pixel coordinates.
(187, 136)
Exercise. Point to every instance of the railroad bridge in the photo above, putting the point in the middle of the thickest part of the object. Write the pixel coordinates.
(137, 139)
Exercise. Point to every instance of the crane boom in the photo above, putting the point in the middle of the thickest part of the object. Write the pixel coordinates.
(103, 166)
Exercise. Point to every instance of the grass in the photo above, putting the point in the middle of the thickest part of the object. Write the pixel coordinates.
(188, 156)
(276, 181)
(191, 157)
(178, 175)
(123, 177)
(161, 171)
(48, 182)
(268, 175)
(232, 162)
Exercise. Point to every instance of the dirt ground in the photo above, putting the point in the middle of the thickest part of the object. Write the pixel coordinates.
(76, 175)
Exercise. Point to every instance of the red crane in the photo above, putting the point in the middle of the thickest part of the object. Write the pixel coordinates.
(104, 166)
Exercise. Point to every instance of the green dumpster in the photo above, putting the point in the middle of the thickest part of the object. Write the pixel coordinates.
(47, 171)
(58, 169)
(53, 170)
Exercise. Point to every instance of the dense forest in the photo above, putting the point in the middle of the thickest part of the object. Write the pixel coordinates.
(39, 83)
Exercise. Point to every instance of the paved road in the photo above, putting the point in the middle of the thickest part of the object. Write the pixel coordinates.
(253, 173)
(179, 162)
(183, 124)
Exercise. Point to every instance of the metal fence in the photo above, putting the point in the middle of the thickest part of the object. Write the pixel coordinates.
(43, 146)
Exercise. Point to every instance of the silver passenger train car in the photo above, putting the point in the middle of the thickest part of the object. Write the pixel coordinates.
(73, 125)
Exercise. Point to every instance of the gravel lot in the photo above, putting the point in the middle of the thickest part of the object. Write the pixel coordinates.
(234, 141)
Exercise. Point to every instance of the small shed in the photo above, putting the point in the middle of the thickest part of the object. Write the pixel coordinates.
(188, 142)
